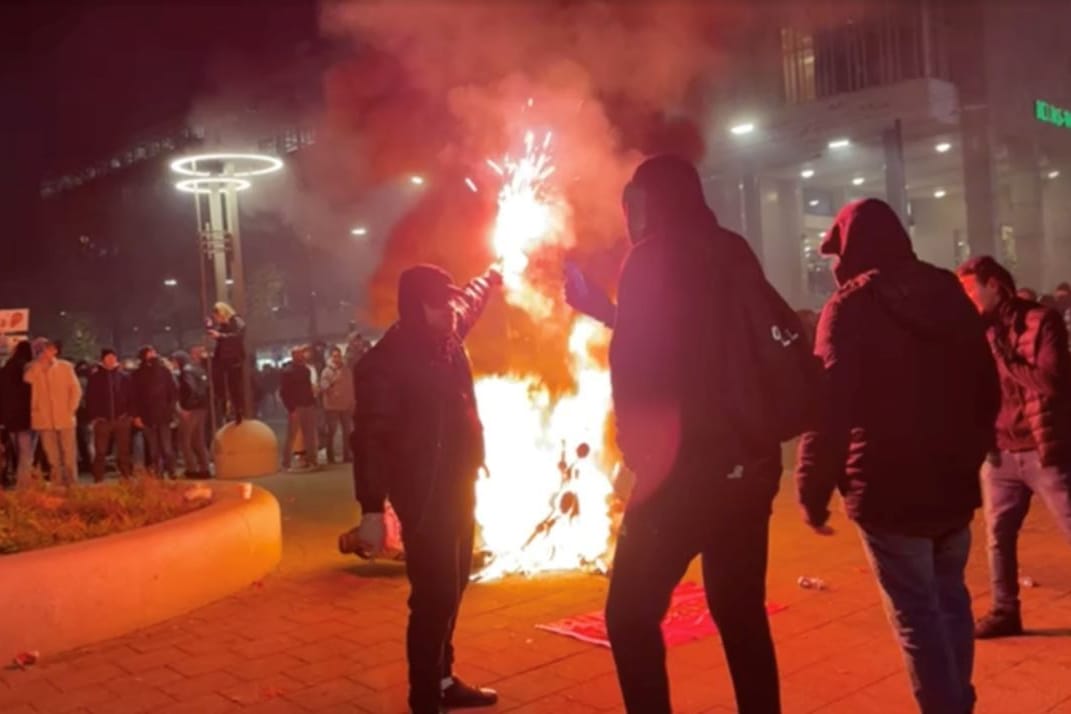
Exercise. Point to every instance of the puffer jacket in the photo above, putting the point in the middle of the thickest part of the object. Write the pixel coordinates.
(55, 395)
(1030, 345)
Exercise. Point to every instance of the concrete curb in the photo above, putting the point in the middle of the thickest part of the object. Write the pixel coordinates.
(64, 597)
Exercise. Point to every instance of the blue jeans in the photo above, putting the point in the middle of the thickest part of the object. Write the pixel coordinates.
(1007, 486)
(929, 608)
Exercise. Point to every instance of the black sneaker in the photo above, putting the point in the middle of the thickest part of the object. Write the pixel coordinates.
(999, 624)
(462, 696)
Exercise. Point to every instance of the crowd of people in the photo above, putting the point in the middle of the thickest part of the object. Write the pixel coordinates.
(914, 392)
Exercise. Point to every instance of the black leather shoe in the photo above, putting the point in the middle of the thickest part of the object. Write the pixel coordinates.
(463, 696)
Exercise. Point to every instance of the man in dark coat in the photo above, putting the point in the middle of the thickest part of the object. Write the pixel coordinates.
(299, 398)
(15, 410)
(1033, 430)
(155, 400)
(418, 440)
(193, 410)
(109, 404)
(698, 490)
(912, 394)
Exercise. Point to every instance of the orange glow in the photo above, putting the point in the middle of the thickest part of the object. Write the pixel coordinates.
(544, 503)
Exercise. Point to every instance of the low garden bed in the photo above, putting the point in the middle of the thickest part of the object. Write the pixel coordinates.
(43, 516)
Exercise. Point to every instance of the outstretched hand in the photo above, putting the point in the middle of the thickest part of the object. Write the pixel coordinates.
(494, 274)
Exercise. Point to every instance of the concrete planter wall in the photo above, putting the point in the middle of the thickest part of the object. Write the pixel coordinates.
(60, 598)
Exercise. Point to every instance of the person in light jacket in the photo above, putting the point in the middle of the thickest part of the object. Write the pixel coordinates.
(54, 397)
(336, 389)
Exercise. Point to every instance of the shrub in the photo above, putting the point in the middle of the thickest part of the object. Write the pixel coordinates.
(42, 516)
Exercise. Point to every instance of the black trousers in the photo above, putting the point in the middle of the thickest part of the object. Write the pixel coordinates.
(728, 524)
(227, 384)
(438, 561)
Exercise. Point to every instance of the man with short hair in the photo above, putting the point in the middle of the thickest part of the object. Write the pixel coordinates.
(109, 404)
(155, 399)
(1033, 429)
(336, 388)
(55, 394)
(299, 400)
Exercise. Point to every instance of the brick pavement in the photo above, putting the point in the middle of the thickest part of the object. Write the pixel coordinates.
(324, 634)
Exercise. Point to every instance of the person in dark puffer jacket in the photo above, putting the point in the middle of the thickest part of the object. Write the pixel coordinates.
(1033, 430)
(913, 393)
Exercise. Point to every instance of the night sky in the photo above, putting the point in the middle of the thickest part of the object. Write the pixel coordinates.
(80, 79)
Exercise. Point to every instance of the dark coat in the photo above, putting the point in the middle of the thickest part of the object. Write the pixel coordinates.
(295, 388)
(1030, 345)
(912, 390)
(109, 394)
(15, 394)
(193, 387)
(155, 393)
(230, 346)
(417, 435)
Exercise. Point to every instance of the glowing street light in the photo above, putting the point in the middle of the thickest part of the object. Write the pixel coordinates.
(807, 173)
(416, 180)
(359, 231)
(742, 129)
(858, 181)
(943, 148)
(1054, 174)
(813, 202)
(170, 282)
(840, 143)
(939, 193)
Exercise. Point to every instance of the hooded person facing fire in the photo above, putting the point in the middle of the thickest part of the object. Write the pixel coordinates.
(418, 441)
(912, 395)
(704, 482)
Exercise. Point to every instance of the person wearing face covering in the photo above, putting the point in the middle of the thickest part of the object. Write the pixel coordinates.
(912, 396)
(689, 311)
(417, 440)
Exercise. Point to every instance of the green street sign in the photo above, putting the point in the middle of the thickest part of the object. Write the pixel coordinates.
(1052, 114)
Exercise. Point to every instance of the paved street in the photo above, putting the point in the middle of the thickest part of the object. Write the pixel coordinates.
(325, 634)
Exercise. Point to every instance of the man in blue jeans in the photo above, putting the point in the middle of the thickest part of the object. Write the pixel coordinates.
(1033, 429)
(912, 395)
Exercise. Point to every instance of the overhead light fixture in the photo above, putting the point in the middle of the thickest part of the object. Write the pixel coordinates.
(858, 181)
(741, 129)
(359, 231)
(170, 282)
(813, 202)
(230, 281)
(939, 193)
(1054, 174)
(822, 234)
(251, 164)
(807, 173)
(840, 144)
(416, 180)
(943, 147)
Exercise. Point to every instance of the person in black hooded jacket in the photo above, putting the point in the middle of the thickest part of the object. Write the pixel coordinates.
(912, 396)
(15, 410)
(698, 489)
(417, 439)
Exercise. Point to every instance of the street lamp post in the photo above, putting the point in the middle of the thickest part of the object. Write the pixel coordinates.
(215, 180)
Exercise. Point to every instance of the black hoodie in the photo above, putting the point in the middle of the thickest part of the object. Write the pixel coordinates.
(912, 387)
(417, 436)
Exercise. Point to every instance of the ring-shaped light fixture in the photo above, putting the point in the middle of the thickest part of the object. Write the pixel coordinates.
(258, 164)
(207, 183)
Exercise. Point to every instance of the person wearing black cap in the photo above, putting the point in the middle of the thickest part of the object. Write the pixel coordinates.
(699, 338)
(911, 401)
(417, 439)
(155, 402)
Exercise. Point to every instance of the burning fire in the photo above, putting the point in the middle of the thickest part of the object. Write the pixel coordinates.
(544, 504)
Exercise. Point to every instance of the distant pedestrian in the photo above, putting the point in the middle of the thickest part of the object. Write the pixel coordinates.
(228, 360)
(1033, 429)
(55, 395)
(155, 400)
(110, 408)
(15, 410)
(193, 411)
(336, 389)
(912, 394)
(299, 400)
